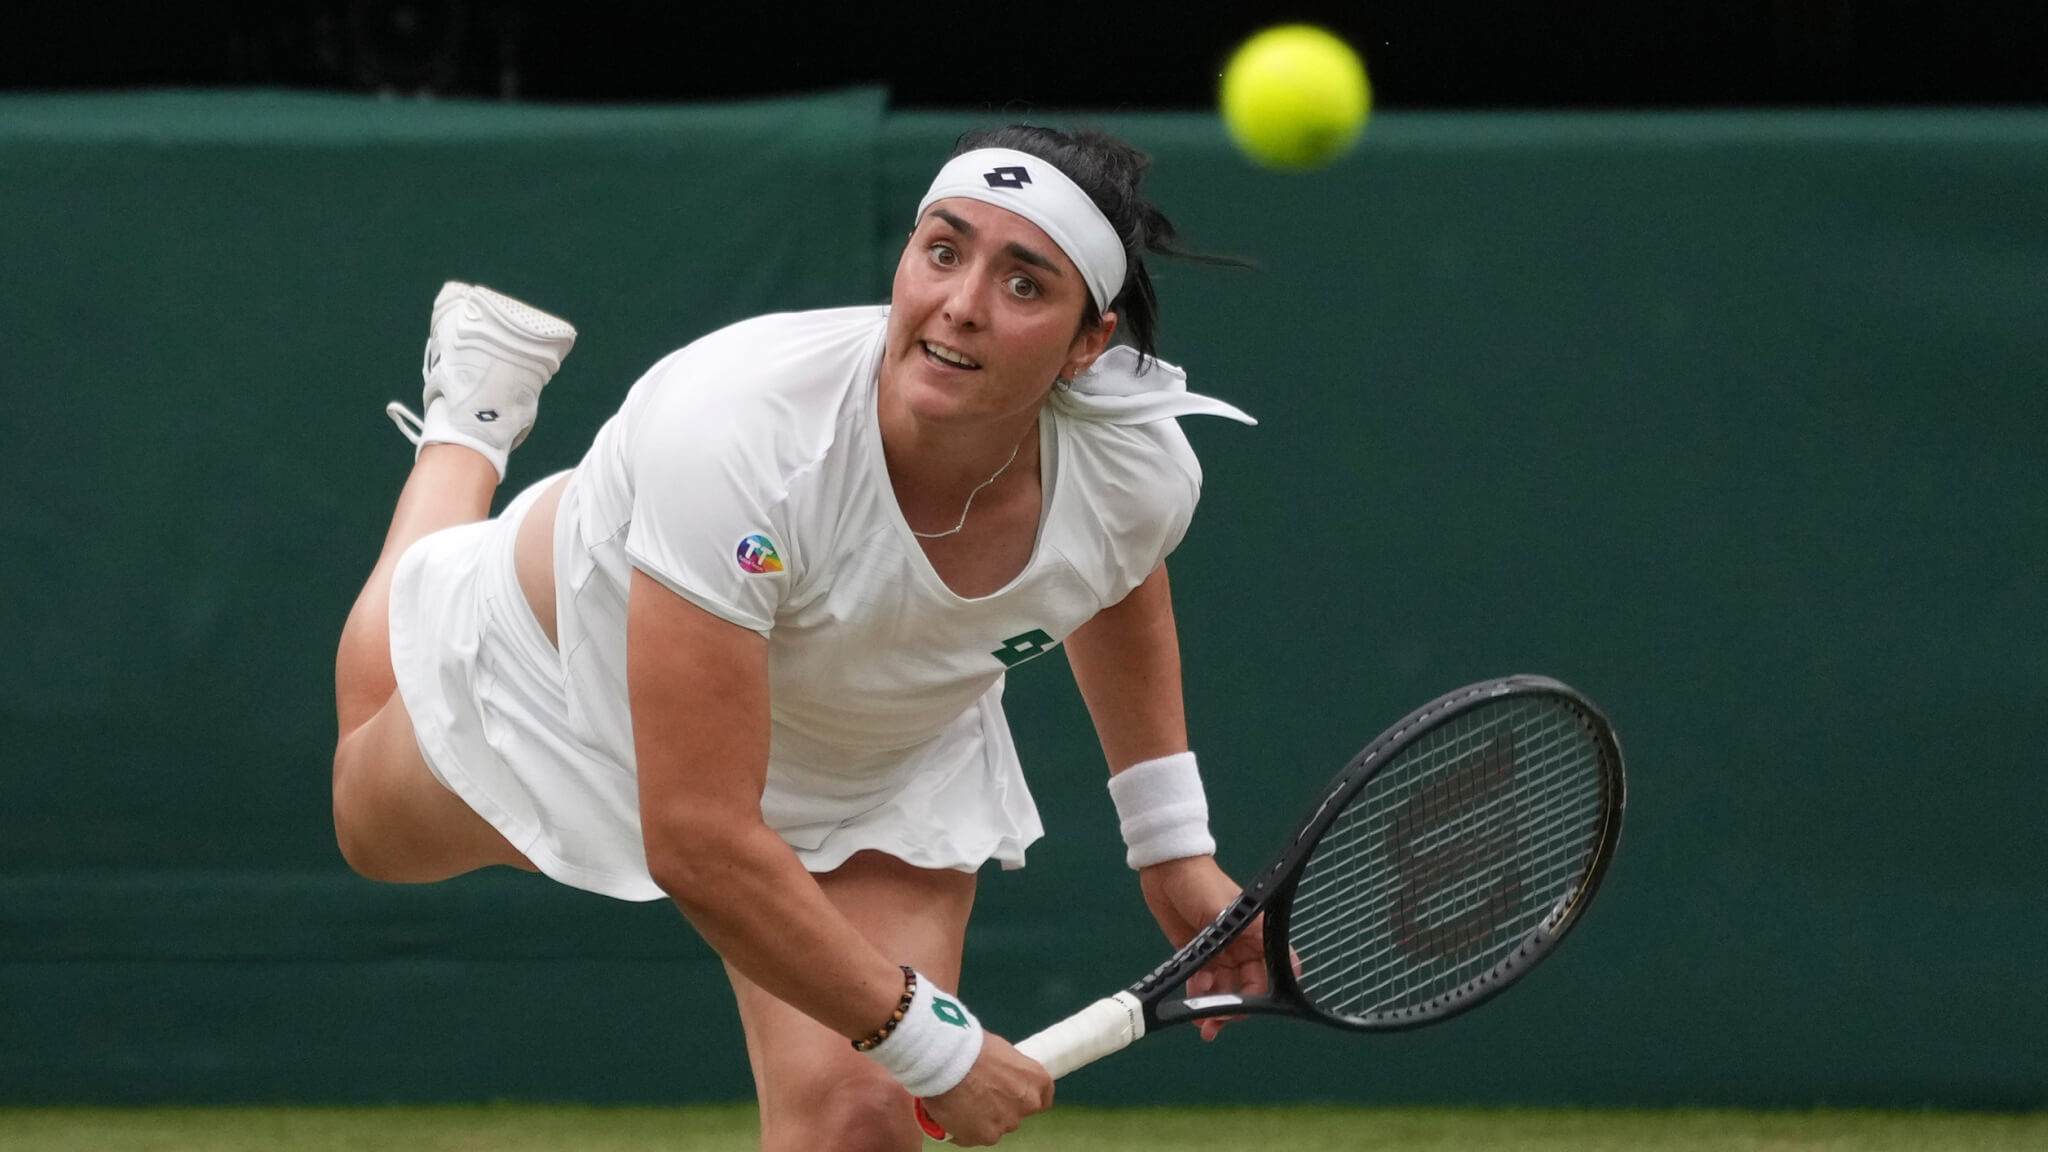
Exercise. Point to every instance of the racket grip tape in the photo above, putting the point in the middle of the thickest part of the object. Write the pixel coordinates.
(1106, 1026)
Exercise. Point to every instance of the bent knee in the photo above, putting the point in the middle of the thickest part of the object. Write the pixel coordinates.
(367, 829)
(395, 822)
(356, 828)
(846, 1114)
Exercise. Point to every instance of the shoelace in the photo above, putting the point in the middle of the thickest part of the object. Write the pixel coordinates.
(409, 426)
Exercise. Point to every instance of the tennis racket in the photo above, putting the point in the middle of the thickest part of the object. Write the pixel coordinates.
(1441, 864)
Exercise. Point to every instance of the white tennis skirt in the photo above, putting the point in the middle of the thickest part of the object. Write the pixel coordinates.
(484, 686)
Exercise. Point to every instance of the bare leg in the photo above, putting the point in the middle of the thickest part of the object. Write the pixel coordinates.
(393, 820)
(815, 1091)
(488, 357)
(449, 485)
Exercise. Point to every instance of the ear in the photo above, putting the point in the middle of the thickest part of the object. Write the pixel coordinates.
(1088, 344)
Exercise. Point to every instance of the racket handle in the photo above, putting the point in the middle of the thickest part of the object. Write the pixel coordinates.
(1106, 1026)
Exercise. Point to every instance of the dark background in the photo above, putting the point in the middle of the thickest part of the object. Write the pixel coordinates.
(1731, 419)
(1054, 54)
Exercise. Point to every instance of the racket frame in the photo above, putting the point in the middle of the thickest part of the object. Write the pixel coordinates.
(1115, 1022)
(1272, 888)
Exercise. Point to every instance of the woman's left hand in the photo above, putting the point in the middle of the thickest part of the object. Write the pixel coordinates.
(1185, 895)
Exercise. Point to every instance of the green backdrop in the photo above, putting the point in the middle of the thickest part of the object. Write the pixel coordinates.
(1732, 420)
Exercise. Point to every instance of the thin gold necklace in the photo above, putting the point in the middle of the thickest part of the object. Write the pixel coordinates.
(977, 491)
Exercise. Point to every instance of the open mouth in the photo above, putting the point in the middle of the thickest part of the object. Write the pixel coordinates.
(946, 357)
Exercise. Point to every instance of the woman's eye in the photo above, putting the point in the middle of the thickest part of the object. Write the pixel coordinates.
(944, 256)
(1024, 286)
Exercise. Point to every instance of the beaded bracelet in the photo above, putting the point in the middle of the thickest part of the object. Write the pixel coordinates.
(929, 1045)
(896, 1017)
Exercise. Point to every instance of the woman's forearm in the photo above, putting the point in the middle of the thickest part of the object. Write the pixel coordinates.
(699, 691)
(744, 890)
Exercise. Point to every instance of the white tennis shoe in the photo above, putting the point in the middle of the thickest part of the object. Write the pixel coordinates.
(487, 358)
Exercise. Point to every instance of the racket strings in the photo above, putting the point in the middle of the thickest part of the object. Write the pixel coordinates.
(1377, 900)
(1376, 904)
(1420, 934)
(1421, 930)
(1364, 888)
(1472, 838)
(1395, 985)
(1361, 822)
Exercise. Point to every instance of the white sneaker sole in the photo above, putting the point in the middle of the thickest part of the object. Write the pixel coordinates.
(522, 316)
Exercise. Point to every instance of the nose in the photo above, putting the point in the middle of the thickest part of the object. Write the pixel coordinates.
(966, 303)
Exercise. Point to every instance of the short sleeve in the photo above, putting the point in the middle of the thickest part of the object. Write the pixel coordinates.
(1139, 485)
(711, 480)
(1183, 489)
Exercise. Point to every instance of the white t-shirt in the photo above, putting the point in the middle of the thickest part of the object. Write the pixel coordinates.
(745, 472)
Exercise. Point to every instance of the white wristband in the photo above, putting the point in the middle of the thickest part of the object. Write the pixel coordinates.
(1163, 811)
(934, 1044)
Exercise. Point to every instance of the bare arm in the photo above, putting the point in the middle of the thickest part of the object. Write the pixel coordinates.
(1126, 662)
(698, 686)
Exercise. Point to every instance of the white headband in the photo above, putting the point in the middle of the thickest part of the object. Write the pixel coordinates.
(1042, 194)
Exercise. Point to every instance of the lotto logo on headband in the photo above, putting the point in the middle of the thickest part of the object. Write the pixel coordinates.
(1039, 192)
(757, 554)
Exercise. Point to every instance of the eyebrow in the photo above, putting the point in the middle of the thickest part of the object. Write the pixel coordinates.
(1015, 249)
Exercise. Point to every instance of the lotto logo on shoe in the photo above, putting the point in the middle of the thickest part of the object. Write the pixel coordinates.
(757, 555)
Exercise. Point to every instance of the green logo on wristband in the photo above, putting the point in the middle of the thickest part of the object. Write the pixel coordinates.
(949, 1012)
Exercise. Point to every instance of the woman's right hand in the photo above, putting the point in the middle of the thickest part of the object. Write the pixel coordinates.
(1002, 1088)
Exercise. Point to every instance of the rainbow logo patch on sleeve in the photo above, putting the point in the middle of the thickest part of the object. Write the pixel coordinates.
(757, 554)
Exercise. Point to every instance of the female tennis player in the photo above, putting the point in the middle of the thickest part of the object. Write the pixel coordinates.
(748, 655)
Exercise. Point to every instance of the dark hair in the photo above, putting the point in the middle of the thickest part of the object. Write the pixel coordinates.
(1109, 171)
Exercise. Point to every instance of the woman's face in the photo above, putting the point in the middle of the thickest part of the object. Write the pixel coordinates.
(984, 313)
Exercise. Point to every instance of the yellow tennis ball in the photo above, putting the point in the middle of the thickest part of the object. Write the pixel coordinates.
(1295, 97)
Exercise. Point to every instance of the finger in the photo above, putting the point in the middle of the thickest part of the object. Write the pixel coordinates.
(1252, 978)
(1228, 975)
(1223, 981)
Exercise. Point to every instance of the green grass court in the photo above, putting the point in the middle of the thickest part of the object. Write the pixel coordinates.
(507, 1128)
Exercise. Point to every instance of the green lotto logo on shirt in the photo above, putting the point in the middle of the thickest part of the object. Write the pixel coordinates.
(1023, 646)
(757, 554)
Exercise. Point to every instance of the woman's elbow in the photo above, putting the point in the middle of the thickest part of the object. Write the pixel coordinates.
(688, 857)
